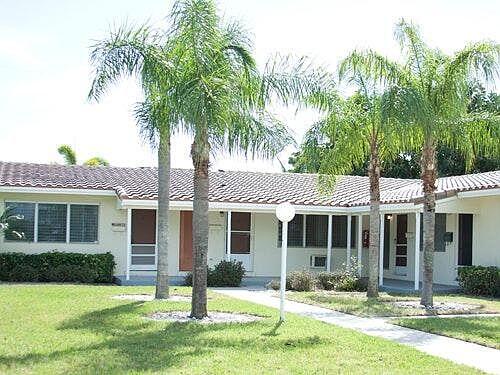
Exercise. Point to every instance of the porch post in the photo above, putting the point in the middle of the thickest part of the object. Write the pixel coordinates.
(359, 243)
(129, 242)
(348, 255)
(329, 245)
(381, 252)
(228, 238)
(417, 250)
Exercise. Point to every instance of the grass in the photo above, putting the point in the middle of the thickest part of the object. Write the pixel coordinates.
(59, 329)
(356, 303)
(481, 330)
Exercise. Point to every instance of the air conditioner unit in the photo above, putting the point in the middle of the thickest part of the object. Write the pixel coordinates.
(318, 261)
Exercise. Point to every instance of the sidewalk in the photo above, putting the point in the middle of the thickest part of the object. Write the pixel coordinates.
(483, 358)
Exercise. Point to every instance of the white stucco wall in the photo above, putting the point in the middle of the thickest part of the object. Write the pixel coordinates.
(108, 240)
(264, 238)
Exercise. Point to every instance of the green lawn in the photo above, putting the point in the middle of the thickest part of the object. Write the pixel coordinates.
(484, 331)
(60, 329)
(356, 303)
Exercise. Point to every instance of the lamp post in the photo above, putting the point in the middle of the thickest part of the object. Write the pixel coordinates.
(284, 212)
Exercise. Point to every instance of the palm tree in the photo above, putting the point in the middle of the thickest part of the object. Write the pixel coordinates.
(145, 54)
(69, 156)
(428, 92)
(224, 102)
(354, 130)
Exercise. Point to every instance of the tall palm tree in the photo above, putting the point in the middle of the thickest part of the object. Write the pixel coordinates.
(224, 102)
(145, 54)
(428, 92)
(354, 130)
(69, 156)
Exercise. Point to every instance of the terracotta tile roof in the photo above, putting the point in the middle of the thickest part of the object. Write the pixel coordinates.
(233, 186)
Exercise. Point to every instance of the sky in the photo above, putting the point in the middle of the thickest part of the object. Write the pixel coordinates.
(45, 73)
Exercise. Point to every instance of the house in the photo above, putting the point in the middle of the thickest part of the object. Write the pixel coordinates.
(99, 209)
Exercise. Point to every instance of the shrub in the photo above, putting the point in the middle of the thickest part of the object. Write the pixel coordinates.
(480, 280)
(342, 281)
(224, 273)
(273, 284)
(58, 267)
(300, 281)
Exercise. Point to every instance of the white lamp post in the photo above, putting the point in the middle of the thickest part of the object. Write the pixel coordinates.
(284, 212)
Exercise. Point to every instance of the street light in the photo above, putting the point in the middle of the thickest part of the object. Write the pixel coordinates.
(284, 212)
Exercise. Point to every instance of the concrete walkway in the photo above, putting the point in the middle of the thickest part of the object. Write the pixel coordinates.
(481, 357)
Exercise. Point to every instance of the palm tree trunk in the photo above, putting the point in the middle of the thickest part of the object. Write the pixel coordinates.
(200, 155)
(162, 290)
(429, 187)
(374, 250)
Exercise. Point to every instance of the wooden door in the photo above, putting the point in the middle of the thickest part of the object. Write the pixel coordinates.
(186, 241)
(401, 241)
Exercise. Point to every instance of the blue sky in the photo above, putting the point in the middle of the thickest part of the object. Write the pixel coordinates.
(45, 74)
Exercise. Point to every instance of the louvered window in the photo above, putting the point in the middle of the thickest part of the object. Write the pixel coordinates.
(83, 223)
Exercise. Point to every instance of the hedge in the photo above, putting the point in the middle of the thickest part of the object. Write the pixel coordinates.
(57, 267)
(224, 273)
(480, 280)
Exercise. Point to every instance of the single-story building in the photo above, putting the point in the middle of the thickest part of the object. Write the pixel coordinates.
(100, 209)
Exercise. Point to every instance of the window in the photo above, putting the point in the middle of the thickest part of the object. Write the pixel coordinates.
(51, 222)
(295, 232)
(240, 232)
(439, 232)
(339, 231)
(316, 230)
(83, 223)
(26, 225)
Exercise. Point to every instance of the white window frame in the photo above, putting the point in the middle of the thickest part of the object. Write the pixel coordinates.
(68, 220)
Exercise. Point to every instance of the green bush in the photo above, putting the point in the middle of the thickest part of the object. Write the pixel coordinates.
(341, 281)
(300, 281)
(480, 280)
(224, 273)
(57, 267)
(273, 284)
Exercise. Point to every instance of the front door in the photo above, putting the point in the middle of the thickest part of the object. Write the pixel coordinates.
(241, 224)
(143, 244)
(401, 260)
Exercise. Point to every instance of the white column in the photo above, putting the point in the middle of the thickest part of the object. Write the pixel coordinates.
(381, 252)
(348, 254)
(129, 242)
(329, 245)
(228, 238)
(359, 243)
(417, 250)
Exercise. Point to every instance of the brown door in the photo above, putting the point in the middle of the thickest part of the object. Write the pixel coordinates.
(186, 241)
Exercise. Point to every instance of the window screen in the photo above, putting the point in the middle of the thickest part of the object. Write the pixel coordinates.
(316, 230)
(295, 231)
(339, 231)
(51, 222)
(439, 231)
(24, 226)
(83, 223)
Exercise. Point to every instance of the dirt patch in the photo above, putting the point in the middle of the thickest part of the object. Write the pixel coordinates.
(214, 317)
(438, 306)
(150, 297)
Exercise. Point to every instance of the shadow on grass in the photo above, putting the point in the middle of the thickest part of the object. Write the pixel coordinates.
(124, 341)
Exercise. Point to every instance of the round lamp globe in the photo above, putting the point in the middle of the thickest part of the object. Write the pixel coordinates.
(285, 212)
